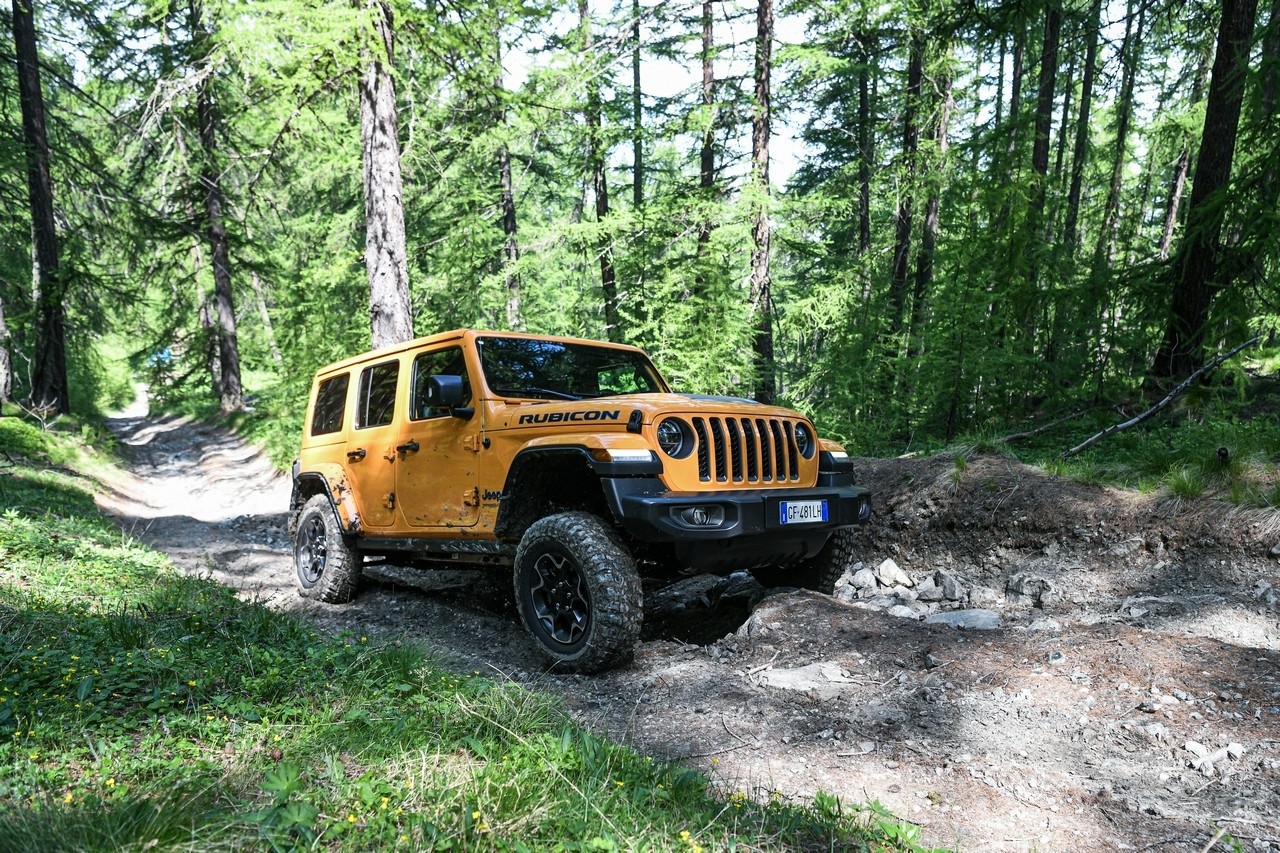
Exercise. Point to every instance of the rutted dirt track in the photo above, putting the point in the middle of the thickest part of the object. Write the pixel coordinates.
(1130, 698)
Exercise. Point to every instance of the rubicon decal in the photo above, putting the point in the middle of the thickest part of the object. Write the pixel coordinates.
(559, 417)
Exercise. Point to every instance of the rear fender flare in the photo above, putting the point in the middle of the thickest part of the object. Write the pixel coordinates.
(331, 481)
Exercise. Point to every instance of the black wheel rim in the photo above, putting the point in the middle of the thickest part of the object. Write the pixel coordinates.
(558, 593)
(311, 552)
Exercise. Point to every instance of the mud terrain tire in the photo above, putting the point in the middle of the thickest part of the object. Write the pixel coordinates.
(818, 573)
(325, 558)
(578, 592)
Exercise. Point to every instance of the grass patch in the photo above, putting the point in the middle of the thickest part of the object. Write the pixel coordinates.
(141, 708)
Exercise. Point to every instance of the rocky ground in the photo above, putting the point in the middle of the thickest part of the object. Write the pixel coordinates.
(1021, 663)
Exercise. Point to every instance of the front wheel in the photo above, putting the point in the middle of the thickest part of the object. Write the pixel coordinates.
(578, 592)
(821, 571)
(326, 560)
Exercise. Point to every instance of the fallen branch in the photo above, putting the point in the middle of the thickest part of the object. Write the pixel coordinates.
(1182, 386)
(1018, 436)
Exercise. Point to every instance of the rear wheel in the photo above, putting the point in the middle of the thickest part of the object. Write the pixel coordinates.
(578, 592)
(820, 572)
(326, 560)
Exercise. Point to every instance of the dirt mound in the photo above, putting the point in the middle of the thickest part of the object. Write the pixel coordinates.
(1128, 699)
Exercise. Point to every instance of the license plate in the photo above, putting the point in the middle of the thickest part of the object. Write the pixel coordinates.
(802, 512)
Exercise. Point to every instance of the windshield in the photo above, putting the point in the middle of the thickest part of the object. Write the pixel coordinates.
(554, 370)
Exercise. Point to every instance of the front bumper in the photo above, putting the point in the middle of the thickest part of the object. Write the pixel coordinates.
(648, 511)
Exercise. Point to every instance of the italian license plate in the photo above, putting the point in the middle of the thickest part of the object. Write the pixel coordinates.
(802, 512)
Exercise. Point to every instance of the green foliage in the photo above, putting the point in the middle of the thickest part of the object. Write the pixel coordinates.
(140, 707)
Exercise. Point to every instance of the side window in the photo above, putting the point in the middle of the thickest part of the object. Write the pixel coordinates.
(377, 395)
(331, 400)
(444, 362)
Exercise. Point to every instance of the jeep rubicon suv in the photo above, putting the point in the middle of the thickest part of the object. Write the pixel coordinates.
(570, 461)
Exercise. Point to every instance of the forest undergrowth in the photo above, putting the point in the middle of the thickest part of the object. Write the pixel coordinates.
(143, 708)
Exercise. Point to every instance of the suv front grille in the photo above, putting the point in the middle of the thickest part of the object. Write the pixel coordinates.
(752, 450)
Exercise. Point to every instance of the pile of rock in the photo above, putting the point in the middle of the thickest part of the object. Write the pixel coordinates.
(889, 588)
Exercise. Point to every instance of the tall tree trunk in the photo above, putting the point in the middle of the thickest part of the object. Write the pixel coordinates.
(1195, 267)
(1014, 121)
(599, 179)
(1044, 97)
(1178, 183)
(929, 229)
(1040, 146)
(866, 156)
(637, 113)
(910, 151)
(761, 301)
(1130, 57)
(6, 359)
(1064, 124)
(1269, 95)
(1080, 151)
(228, 382)
(707, 153)
(507, 198)
(385, 249)
(49, 387)
(265, 316)
(510, 243)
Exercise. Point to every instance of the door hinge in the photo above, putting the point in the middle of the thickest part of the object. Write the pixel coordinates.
(472, 498)
(390, 500)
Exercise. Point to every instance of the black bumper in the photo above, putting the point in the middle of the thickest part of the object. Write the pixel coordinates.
(648, 511)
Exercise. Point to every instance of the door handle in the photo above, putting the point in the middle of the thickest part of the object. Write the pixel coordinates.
(409, 446)
(355, 455)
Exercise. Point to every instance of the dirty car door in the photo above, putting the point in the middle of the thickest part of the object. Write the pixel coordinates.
(436, 479)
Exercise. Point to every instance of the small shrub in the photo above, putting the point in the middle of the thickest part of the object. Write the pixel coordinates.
(1185, 481)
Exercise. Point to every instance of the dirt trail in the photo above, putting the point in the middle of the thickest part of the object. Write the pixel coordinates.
(1134, 634)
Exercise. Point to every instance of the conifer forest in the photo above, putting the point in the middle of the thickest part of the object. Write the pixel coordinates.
(911, 219)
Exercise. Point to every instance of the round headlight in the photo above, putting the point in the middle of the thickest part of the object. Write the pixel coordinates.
(804, 440)
(671, 438)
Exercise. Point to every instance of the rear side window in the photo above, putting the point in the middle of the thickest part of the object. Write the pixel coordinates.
(377, 395)
(331, 400)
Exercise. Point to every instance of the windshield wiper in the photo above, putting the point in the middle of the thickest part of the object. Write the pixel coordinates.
(536, 392)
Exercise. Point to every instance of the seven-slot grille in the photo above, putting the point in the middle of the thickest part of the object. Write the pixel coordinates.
(752, 450)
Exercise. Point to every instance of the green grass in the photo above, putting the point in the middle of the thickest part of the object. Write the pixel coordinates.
(141, 708)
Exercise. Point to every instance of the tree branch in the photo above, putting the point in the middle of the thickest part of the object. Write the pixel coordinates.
(1182, 386)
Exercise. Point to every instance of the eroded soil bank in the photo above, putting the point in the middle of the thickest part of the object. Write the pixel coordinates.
(1129, 699)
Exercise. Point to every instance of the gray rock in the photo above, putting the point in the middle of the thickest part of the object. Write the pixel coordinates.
(903, 594)
(983, 596)
(864, 579)
(890, 575)
(1044, 623)
(929, 591)
(1028, 588)
(1275, 550)
(973, 620)
(846, 593)
(952, 589)
(901, 611)
(820, 680)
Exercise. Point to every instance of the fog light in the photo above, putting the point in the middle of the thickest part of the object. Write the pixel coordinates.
(702, 516)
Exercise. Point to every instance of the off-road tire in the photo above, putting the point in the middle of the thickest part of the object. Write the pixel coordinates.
(325, 558)
(818, 573)
(578, 592)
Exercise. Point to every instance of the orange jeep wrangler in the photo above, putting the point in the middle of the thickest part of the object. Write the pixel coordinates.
(571, 461)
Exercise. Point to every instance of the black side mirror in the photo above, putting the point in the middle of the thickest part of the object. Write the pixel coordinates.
(444, 392)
